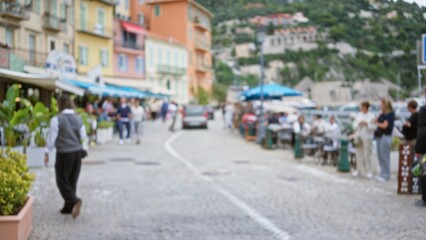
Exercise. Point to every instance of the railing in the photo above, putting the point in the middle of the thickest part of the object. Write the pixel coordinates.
(110, 2)
(95, 29)
(54, 23)
(31, 57)
(131, 45)
(202, 67)
(168, 69)
(15, 10)
(201, 24)
(202, 45)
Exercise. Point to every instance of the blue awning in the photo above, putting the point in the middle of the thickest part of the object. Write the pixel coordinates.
(108, 90)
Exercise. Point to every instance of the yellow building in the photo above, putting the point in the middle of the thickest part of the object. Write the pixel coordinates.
(93, 44)
(33, 28)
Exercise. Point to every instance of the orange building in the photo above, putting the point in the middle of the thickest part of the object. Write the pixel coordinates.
(188, 22)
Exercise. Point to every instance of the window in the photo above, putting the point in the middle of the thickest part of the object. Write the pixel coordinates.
(52, 45)
(9, 36)
(160, 60)
(32, 47)
(66, 48)
(83, 55)
(190, 32)
(139, 64)
(141, 1)
(71, 15)
(54, 8)
(83, 14)
(99, 29)
(176, 59)
(126, 4)
(272, 42)
(168, 84)
(141, 19)
(168, 57)
(190, 15)
(151, 56)
(104, 57)
(157, 10)
(37, 7)
(122, 62)
(63, 12)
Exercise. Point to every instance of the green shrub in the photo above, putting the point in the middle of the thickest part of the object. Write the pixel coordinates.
(15, 181)
(395, 143)
(105, 124)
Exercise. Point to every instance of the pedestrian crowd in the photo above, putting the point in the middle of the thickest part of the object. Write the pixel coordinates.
(365, 131)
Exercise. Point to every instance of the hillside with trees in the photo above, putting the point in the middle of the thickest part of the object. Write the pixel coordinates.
(385, 33)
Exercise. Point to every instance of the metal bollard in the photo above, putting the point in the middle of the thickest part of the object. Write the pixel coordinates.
(298, 151)
(343, 164)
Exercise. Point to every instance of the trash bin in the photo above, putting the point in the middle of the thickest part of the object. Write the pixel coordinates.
(268, 142)
(343, 164)
(298, 151)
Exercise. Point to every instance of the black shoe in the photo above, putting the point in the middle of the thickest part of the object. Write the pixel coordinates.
(76, 208)
(65, 211)
(420, 203)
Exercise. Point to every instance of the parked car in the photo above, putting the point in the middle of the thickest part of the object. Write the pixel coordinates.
(210, 111)
(194, 116)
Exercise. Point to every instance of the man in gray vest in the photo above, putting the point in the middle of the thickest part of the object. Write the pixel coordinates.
(66, 133)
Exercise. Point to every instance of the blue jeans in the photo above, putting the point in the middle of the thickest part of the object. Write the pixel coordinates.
(384, 144)
(120, 129)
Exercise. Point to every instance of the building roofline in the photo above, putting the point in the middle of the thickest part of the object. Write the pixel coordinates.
(193, 2)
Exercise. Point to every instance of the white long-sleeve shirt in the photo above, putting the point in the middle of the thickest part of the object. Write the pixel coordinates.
(54, 130)
(365, 117)
(138, 113)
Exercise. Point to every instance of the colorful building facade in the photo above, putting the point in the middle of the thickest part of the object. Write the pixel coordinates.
(93, 44)
(166, 66)
(191, 25)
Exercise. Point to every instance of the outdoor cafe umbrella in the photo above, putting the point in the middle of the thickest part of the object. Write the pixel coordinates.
(271, 91)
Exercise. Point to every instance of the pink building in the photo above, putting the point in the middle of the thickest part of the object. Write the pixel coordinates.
(129, 57)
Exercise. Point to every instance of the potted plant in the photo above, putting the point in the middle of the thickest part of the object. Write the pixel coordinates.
(40, 120)
(15, 204)
(104, 132)
(11, 119)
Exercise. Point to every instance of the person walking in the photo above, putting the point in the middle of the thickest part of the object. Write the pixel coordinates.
(364, 127)
(66, 134)
(420, 147)
(383, 135)
(173, 110)
(138, 116)
(124, 114)
(229, 114)
(163, 111)
(409, 129)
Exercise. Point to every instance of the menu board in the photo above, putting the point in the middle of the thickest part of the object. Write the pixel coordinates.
(407, 184)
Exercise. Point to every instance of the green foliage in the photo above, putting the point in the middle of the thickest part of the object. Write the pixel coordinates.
(219, 91)
(105, 124)
(203, 96)
(15, 181)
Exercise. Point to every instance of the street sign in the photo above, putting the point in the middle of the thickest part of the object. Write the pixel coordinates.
(423, 48)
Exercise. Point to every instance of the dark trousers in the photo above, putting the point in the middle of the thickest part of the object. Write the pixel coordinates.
(120, 128)
(423, 187)
(67, 168)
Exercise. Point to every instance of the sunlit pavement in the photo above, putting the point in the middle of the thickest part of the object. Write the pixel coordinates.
(211, 184)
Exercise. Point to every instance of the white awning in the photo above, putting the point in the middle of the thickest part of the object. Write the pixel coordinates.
(40, 80)
(134, 83)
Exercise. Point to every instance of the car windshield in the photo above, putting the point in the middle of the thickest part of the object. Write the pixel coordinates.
(194, 112)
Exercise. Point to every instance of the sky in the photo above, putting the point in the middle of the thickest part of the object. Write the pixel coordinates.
(420, 2)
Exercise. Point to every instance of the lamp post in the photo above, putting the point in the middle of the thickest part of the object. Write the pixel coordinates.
(260, 38)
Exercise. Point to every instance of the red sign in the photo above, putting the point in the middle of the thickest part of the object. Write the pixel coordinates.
(4, 58)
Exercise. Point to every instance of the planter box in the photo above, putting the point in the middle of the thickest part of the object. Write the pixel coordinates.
(104, 135)
(35, 157)
(18, 227)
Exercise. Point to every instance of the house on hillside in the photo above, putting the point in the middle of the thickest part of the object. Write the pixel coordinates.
(254, 6)
(304, 38)
(244, 50)
(392, 14)
(300, 18)
(281, 19)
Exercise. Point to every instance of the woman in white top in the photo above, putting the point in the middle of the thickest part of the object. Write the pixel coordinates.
(364, 127)
(301, 127)
(138, 115)
(332, 131)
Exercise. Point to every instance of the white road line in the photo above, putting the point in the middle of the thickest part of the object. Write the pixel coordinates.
(252, 213)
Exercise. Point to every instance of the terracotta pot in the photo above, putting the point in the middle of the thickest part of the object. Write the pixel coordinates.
(18, 227)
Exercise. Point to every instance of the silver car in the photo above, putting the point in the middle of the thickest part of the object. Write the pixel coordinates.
(194, 116)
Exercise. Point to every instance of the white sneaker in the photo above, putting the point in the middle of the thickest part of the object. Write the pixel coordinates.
(355, 174)
(380, 179)
(369, 176)
(121, 142)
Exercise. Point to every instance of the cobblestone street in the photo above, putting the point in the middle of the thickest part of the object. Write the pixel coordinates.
(199, 184)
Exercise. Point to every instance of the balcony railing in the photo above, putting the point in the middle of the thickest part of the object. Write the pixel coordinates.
(53, 23)
(95, 29)
(168, 69)
(14, 10)
(203, 46)
(200, 67)
(130, 45)
(110, 2)
(31, 57)
(201, 24)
